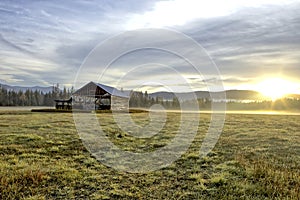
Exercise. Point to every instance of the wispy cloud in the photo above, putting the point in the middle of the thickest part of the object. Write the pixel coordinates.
(42, 42)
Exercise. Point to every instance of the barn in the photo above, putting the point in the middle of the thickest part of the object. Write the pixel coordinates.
(100, 97)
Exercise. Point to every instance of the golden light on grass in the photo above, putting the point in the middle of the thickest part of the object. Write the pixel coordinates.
(276, 88)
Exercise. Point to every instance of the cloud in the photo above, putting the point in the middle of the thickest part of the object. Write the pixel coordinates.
(51, 35)
(251, 41)
(179, 12)
(47, 41)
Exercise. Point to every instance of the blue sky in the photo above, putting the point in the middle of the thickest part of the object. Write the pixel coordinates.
(45, 42)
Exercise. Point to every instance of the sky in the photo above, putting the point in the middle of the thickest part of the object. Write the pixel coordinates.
(243, 42)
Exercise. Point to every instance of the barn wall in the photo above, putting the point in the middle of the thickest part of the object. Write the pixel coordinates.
(84, 102)
(90, 89)
(87, 90)
(119, 103)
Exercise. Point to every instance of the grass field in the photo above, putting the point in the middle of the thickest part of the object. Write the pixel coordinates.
(256, 157)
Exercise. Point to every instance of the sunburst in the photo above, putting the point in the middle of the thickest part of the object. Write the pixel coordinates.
(275, 88)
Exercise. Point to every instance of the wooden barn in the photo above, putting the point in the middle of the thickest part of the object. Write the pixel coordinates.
(100, 97)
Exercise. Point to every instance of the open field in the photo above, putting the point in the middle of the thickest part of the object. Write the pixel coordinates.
(256, 157)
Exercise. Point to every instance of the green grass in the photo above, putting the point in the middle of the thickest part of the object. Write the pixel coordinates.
(256, 157)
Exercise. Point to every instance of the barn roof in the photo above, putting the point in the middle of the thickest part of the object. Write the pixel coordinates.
(110, 90)
(113, 91)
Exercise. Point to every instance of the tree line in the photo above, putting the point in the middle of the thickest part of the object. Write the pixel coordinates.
(291, 104)
(33, 98)
(139, 99)
(144, 100)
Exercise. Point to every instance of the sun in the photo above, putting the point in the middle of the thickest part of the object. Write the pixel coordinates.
(275, 88)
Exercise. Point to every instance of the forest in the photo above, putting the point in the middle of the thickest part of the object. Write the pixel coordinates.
(144, 100)
(139, 99)
(32, 98)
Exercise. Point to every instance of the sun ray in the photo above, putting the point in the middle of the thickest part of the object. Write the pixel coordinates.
(275, 88)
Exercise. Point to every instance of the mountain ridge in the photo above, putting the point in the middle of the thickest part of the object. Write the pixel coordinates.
(45, 89)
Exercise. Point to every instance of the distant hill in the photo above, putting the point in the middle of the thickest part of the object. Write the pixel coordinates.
(21, 88)
(230, 94)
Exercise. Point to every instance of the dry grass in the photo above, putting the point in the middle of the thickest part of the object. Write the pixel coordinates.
(42, 157)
